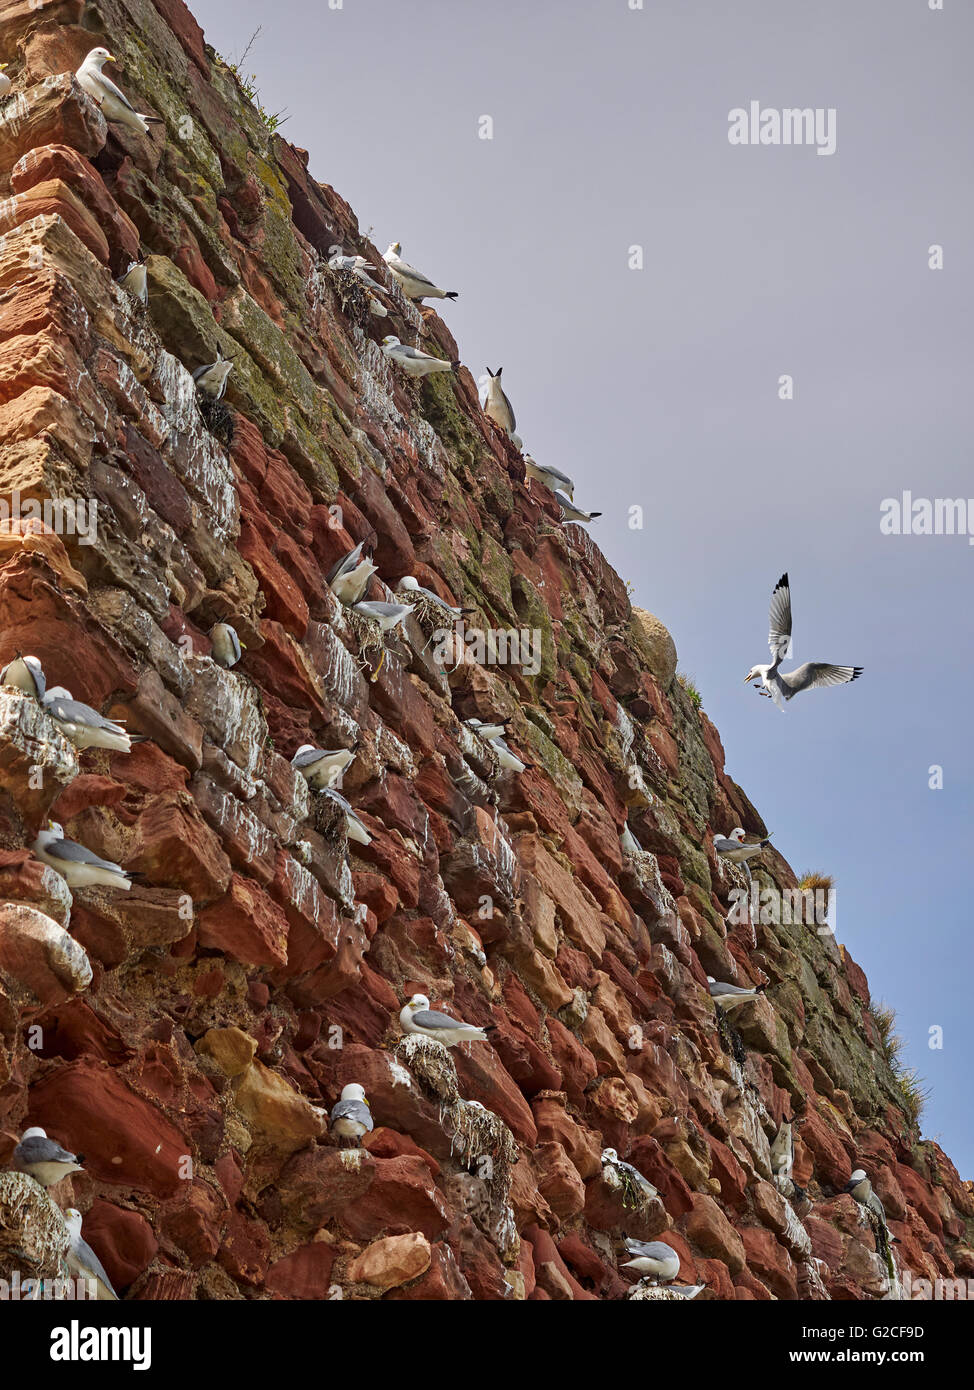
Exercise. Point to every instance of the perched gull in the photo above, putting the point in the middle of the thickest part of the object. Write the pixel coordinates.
(783, 1152)
(136, 281)
(349, 577)
(82, 1261)
(414, 284)
(734, 848)
(569, 512)
(354, 827)
(79, 867)
(27, 674)
(418, 1017)
(115, 106)
(350, 1117)
(387, 615)
(414, 361)
(506, 758)
(497, 407)
(357, 266)
(322, 767)
(84, 726)
(227, 646)
(612, 1161)
(487, 731)
(552, 478)
(729, 996)
(5, 82)
(862, 1189)
(652, 1257)
(211, 379)
(628, 842)
(44, 1159)
(813, 675)
(412, 586)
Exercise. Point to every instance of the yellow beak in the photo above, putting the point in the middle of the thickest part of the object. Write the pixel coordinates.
(111, 58)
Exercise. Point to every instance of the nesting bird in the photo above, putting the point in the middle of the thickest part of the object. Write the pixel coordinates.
(553, 478)
(43, 1158)
(136, 281)
(497, 407)
(411, 585)
(413, 283)
(783, 1153)
(322, 768)
(414, 361)
(351, 1116)
(227, 646)
(652, 1257)
(84, 726)
(388, 616)
(79, 867)
(613, 1164)
(357, 266)
(735, 850)
(628, 842)
(729, 996)
(861, 1189)
(418, 1017)
(506, 759)
(211, 379)
(82, 1261)
(27, 674)
(569, 512)
(354, 827)
(349, 577)
(114, 104)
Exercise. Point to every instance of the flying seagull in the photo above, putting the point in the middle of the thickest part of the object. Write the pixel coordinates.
(227, 646)
(82, 1261)
(414, 361)
(135, 281)
(79, 867)
(813, 675)
(414, 284)
(211, 379)
(27, 674)
(84, 726)
(729, 996)
(349, 577)
(114, 104)
(351, 1116)
(497, 407)
(569, 512)
(321, 767)
(412, 586)
(354, 827)
(734, 848)
(552, 478)
(43, 1158)
(418, 1017)
(652, 1257)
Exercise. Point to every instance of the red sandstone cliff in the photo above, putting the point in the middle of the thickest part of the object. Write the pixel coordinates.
(193, 1046)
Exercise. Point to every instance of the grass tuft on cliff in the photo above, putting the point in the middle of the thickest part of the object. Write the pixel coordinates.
(273, 120)
(816, 882)
(909, 1083)
(696, 699)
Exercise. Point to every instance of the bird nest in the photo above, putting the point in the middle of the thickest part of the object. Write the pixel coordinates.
(369, 639)
(633, 1195)
(327, 816)
(33, 1236)
(730, 1038)
(218, 418)
(431, 1064)
(430, 616)
(353, 296)
(644, 1292)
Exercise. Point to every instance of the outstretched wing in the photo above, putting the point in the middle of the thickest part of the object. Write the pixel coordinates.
(815, 674)
(779, 630)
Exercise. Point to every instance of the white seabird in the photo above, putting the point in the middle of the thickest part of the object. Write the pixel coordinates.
(734, 849)
(813, 675)
(351, 1116)
(487, 731)
(84, 726)
(418, 1017)
(354, 827)
(414, 361)
(783, 1152)
(78, 866)
(136, 281)
(357, 266)
(5, 82)
(729, 996)
(322, 767)
(114, 104)
(349, 577)
(27, 674)
(628, 842)
(211, 379)
(652, 1257)
(508, 760)
(553, 478)
(227, 646)
(82, 1261)
(862, 1190)
(411, 585)
(569, 512)
(497, 407)
(414, 284)
(611, 1160)
(387, 615)
(43, 1158)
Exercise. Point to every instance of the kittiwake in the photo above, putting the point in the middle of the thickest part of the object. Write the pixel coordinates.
(27, 674)
(322, 767)
(78, 866)
(114, 104)
(82, 1261)
(43, 1158)
(351, 1116)
(414, 284)
(418, 1017)
(414, 361)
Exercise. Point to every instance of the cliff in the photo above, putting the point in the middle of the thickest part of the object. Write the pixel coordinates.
(190, 1035)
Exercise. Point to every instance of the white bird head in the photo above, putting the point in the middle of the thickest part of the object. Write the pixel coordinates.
(858, 1176)
(395, 249)
(34, 1133)
(98, 57)
(418, 1001)
(409, 581)
(737, 834)
(390, 340)
(305, 748)
(756, 673)
(353, 1091)
(335, 250)
(711, 980)
(59, 692)
(610, 1156)
(56, 829)
(72, 1219)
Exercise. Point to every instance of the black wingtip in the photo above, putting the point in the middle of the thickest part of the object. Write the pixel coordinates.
(759, 989)
(452, 294)
(593, 515)
(782, 582)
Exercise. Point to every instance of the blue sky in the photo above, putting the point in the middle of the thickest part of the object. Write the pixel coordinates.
(659, 387)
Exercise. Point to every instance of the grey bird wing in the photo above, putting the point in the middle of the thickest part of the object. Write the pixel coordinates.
(779, 624)
(432, 1018)
(202, 371)
(718, 987)
(310, 756)
(411, 273)
(89, 1261)
(353, 1110)
(385, 610)
(114, 91)
(346, 563)
(650, 1249)
(38, 1150)
(724, 846)
(404, 350)
(73, 853)
(337, 796)
(815, 674)
(76, 712)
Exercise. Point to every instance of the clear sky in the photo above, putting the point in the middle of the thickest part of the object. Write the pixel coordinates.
(660, 387)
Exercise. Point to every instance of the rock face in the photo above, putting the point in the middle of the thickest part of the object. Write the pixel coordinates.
(189, 1036)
